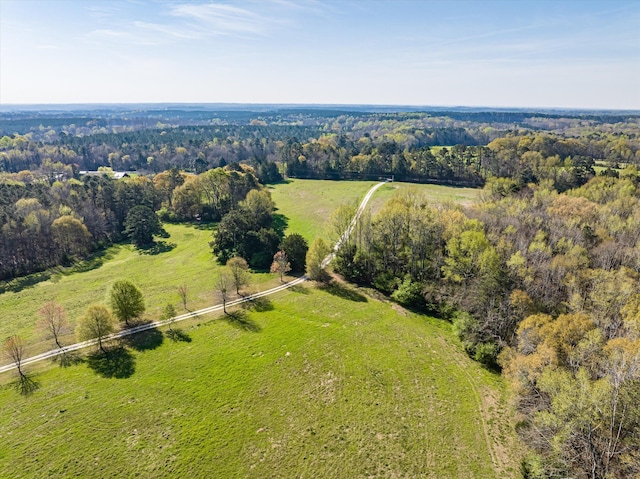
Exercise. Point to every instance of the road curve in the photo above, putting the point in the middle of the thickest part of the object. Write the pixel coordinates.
(211, 309)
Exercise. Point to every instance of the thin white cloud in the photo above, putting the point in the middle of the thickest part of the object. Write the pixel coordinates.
(222, 19)
(197, 21)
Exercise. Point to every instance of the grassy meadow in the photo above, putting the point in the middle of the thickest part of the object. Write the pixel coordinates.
(308, 204)
(309, 383)
(187, 260)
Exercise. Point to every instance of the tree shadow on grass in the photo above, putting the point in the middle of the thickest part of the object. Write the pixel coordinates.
(18, 284)
(259, 305)
(240, 320)
(177, 334)
(117, 363)
(145, 341)
(157, 247)
(94, 261)
(67, 358)
(298, 288)
(25, 385)
(280, 222)
(344, 292)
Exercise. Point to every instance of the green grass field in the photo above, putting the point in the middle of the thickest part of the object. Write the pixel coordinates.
(436, 194)
(309, 384)
(308, 204)
(190, 262)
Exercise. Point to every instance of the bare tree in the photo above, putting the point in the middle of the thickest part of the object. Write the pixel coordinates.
(223, 283)
(14, 350)
(239, 270)
(182, 292)
(53, 320)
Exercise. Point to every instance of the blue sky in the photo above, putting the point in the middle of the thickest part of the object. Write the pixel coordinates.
(546, 53)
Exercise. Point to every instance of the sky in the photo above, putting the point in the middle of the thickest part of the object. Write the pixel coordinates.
(508, 53)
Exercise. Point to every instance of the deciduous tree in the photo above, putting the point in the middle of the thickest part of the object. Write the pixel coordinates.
(315, 260)
(14, 350)
(96, 323)
(53, 320)
(295, 246)
(223, 283)
(239, 270)
(126, 301)
(280, 264)
(183, 292)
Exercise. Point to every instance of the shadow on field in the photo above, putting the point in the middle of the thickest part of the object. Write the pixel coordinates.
(259, 305)
(280, 222)
(117, 363)
(144, 341)
(177, 334)
(18, 284)
(25, 385)
(298, 288)
(240, 320)
(66, 359)
(157, 247)
(344, 292)
(94, 261)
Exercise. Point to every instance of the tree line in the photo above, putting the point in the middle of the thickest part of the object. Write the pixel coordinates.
(542, 285)
(45, 225)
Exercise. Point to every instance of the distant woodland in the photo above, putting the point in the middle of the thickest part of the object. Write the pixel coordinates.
(541, 280)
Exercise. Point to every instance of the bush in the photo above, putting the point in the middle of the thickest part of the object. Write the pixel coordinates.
(486, 353)
(409, 294)
(167, 215)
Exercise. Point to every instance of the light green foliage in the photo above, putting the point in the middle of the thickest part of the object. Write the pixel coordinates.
(96, 323)
(409, 293)
(71, 235)
(168, 312)
(259, 205)
(239, 270)
(315, 256)
(126, 301)
(470, 254)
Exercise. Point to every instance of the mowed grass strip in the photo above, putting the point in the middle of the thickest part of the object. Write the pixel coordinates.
(312, 383)
(190, 262)
(436, 194)
(308, 204)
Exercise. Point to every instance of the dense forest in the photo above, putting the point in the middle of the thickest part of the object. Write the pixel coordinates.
(541, 279)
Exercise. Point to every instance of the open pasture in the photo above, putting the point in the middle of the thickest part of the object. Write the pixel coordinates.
(311, 383)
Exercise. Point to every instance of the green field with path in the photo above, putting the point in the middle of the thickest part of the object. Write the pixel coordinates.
(310, 383)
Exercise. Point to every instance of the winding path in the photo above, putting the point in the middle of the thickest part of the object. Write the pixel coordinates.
(211, 309)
